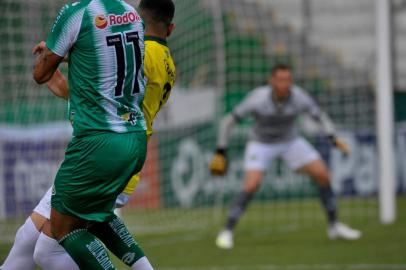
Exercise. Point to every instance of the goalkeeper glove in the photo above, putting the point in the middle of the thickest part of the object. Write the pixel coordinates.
(340, 144)
(218, 165)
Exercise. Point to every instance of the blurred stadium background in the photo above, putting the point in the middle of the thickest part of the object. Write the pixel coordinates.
(223, 49)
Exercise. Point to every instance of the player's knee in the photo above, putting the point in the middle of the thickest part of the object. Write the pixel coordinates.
(59, 232)
(251, 186)
(61, 225)
(56, 231)
(252, 181)
(323, 178)
(38, 220)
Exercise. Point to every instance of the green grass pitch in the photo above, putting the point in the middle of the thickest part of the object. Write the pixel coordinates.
(277, 246)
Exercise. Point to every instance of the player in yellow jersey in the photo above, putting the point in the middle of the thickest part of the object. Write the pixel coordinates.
(159, 69)
(34, 244)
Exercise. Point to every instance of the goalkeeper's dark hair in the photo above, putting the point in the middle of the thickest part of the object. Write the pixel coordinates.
(279, 67)
(161, 11)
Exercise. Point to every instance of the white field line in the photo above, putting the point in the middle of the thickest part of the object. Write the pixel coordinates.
(366, 266)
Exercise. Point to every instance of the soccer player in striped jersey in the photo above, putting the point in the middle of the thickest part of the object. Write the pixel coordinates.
(274, 108)
(105, 41)
(160, 72)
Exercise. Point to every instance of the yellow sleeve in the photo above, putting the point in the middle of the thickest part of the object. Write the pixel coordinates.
(153, 92)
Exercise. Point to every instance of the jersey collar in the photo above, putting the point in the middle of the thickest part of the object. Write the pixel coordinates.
(157, 39)
(274, 99)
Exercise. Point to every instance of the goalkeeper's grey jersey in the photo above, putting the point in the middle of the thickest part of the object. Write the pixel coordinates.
(275, 121)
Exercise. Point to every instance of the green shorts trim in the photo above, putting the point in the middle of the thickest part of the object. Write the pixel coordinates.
(95, 171)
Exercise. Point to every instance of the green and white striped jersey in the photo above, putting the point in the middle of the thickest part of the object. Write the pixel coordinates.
(105, 42)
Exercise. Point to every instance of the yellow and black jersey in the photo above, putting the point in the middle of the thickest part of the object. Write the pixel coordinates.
(160, 72)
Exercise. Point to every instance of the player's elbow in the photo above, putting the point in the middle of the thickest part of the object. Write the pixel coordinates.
(62, 95)
(40, 77)
(65, 95)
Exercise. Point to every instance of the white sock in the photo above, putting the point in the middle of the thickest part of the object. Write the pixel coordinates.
(50, 255)
(142, 264)
(20, 256)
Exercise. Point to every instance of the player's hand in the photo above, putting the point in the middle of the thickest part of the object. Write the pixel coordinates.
(39, 48)
(341, 145)
(218, 165)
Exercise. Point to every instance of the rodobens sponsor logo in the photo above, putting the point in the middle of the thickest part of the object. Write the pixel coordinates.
(101, 21)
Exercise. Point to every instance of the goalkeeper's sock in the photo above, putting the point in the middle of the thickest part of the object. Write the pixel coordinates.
(87, 251)
(329, 203)
(48, 254)
(238, 208)
(20, 256)
(114, 234)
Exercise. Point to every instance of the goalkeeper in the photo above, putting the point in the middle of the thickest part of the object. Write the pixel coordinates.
(274, 108)
(160, 71)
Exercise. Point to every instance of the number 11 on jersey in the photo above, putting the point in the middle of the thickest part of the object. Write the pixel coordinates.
(131, 39)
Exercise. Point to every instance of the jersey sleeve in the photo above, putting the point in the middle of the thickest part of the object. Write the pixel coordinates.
(152, 96)
(310, 106)
(148, 63)
(65, 30)
(246, 107)
(153, 91)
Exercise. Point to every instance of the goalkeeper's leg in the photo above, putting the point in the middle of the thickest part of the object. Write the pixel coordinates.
(318, 171)
(253, 180)
(257, 158)
(303, 157)
(20, 256)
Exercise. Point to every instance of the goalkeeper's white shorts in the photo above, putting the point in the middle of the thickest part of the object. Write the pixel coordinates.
(296, 153)
(44, 206)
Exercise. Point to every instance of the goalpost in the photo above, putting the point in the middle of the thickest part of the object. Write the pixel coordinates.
(385, 110)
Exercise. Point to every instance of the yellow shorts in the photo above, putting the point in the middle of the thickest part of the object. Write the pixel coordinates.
(129, 189)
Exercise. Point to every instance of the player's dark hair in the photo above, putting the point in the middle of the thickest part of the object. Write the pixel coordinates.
(279, 67)
(159, 10)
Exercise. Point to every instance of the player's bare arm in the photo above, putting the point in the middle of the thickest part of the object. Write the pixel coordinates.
(58, 85)
(45, 65)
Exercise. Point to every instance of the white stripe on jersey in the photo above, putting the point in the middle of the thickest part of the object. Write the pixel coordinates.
(70, 34)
